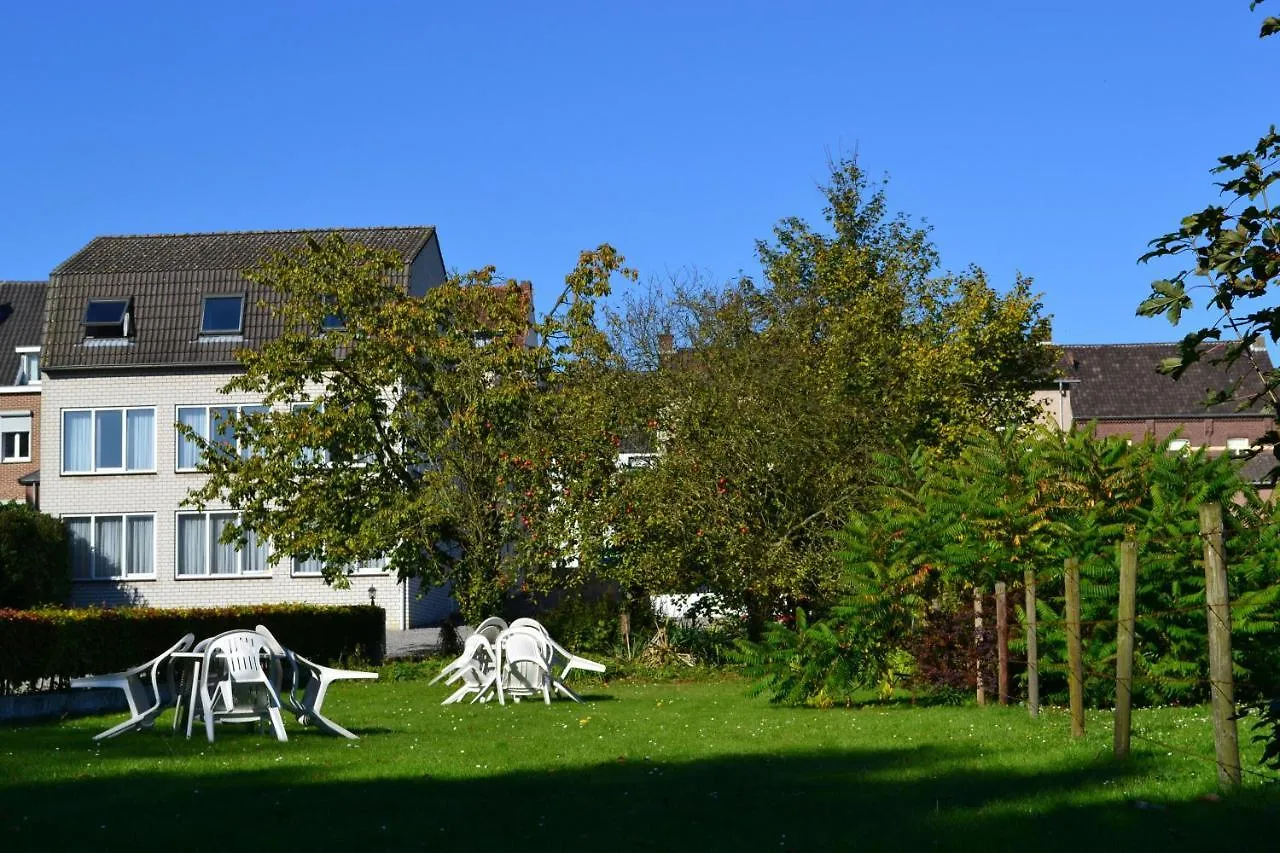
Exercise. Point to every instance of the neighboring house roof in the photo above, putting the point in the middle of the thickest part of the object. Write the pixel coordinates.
(1121, 381)
(166, 276)
(21, 323)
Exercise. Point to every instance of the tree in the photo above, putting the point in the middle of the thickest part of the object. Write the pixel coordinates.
(34, 560)
(405, 430)
(1235, 246)
(770, 413)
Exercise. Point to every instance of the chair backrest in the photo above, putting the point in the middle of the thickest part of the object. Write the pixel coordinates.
(240, 650)
(526, 622)
(478, 647)
(522, 644)
(272, 642)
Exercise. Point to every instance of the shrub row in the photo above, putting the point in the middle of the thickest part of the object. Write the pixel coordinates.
(38, 646)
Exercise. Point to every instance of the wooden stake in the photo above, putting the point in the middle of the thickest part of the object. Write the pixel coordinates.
(1033, 662)
(1075, 660)
(1218, 607)
(977, 643)
(1125, 624)
(1002, 641)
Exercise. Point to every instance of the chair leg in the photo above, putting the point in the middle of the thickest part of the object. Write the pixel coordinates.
(277, 722)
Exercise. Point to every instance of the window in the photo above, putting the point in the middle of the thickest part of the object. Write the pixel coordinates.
(315, 565)
(111, 546)
(28, 366)
(215, 424)
(15, 436)
(107, 318)
(1179, 444)
(101, 441)
(222, 315)
(334, 320)
(202, 554)
(1238, 446)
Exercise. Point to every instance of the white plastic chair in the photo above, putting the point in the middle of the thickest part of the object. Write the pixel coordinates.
(231, 668)
(318, 678)
(524, 665)
(469, 650)
(477, 668)
(561, 656)
(491, 628)
(133, 682)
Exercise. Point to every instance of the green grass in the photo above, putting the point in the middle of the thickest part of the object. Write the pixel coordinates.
(640, 766)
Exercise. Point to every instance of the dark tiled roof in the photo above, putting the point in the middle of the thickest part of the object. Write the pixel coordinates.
(1121, 381)
(229, 250)
(166, 276)
(21, 322)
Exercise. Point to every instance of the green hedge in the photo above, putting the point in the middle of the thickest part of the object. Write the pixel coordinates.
(55, 645)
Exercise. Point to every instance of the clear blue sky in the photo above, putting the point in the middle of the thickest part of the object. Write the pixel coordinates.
(1050, 138)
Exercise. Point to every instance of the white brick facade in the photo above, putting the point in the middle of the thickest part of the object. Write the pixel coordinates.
(161, 494)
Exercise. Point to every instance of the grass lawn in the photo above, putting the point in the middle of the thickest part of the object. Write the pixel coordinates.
(640, 766)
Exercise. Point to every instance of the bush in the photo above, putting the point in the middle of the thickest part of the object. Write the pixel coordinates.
(56, 645)
(35, 566)
(586, 625)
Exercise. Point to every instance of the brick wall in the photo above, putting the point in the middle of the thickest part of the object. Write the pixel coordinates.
(161, 493)
(23, 401)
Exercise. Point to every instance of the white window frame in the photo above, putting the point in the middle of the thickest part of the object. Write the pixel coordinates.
(208, 428)
(373, 567)
(125, 574)
(4, 433)
(1178, 445)
(1237, 446)
(25, 355)
(93, 440)
(207, 550)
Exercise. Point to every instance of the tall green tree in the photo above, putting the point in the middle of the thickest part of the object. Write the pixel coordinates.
(405, 429)
(1235, 247)
(770, 409)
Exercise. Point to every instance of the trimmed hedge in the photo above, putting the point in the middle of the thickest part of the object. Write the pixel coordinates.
(57, 645)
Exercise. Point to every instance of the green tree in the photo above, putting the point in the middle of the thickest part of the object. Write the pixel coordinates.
(35, 564)
(405, 430)
(771, 411)
(1235, 247)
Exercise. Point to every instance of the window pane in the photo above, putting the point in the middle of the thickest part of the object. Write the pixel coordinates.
(105, 310)
(307, 565)
(223, 555)
(198, 420)
(79, 531)
(108, 438)
(222, 315)
(191, 547)
(255, 553)
(77, 437)
(142, 439)
(108, 546)
(139, 536)
(222, 428)
(245, 451)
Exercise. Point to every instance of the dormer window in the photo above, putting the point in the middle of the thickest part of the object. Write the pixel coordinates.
(334, 321)
(28, 366)
(107, 318)
(223, 315)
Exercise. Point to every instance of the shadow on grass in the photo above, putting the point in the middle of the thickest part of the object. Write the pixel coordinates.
(897, 799)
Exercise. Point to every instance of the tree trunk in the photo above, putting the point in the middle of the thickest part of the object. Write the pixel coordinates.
(756, 616)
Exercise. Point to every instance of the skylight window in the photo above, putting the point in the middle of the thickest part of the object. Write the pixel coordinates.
(107, 318)
(223, 315)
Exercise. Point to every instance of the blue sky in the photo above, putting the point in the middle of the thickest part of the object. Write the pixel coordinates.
(1049, 138)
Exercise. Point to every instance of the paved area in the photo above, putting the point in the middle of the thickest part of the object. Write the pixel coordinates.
(415, 642)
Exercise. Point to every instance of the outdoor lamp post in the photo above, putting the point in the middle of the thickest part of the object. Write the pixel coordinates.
(373, 595)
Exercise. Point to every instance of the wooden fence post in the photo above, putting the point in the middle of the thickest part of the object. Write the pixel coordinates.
(977, 643)
(1226, 746)
(1033, 663)
(1125, 625)
(1002, 642)
(1075, 659)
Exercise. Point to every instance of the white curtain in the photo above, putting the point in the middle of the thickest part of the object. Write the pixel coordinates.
(198, 420)
(250, 410)
(309, 566)
(77, 441)
(222, 427)
(224, 555)
(191, 547)
(141, 440)
(255, 553)
(139, 536)
(109, 546)
(108, 438)
(79, 532)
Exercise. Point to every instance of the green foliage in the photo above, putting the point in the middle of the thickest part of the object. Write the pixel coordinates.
(769, 415)
(1267, 731)
(35, 566)
(1235, 246)
(55, 645)
(585, 624)
(811, 664)
(424, 413)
